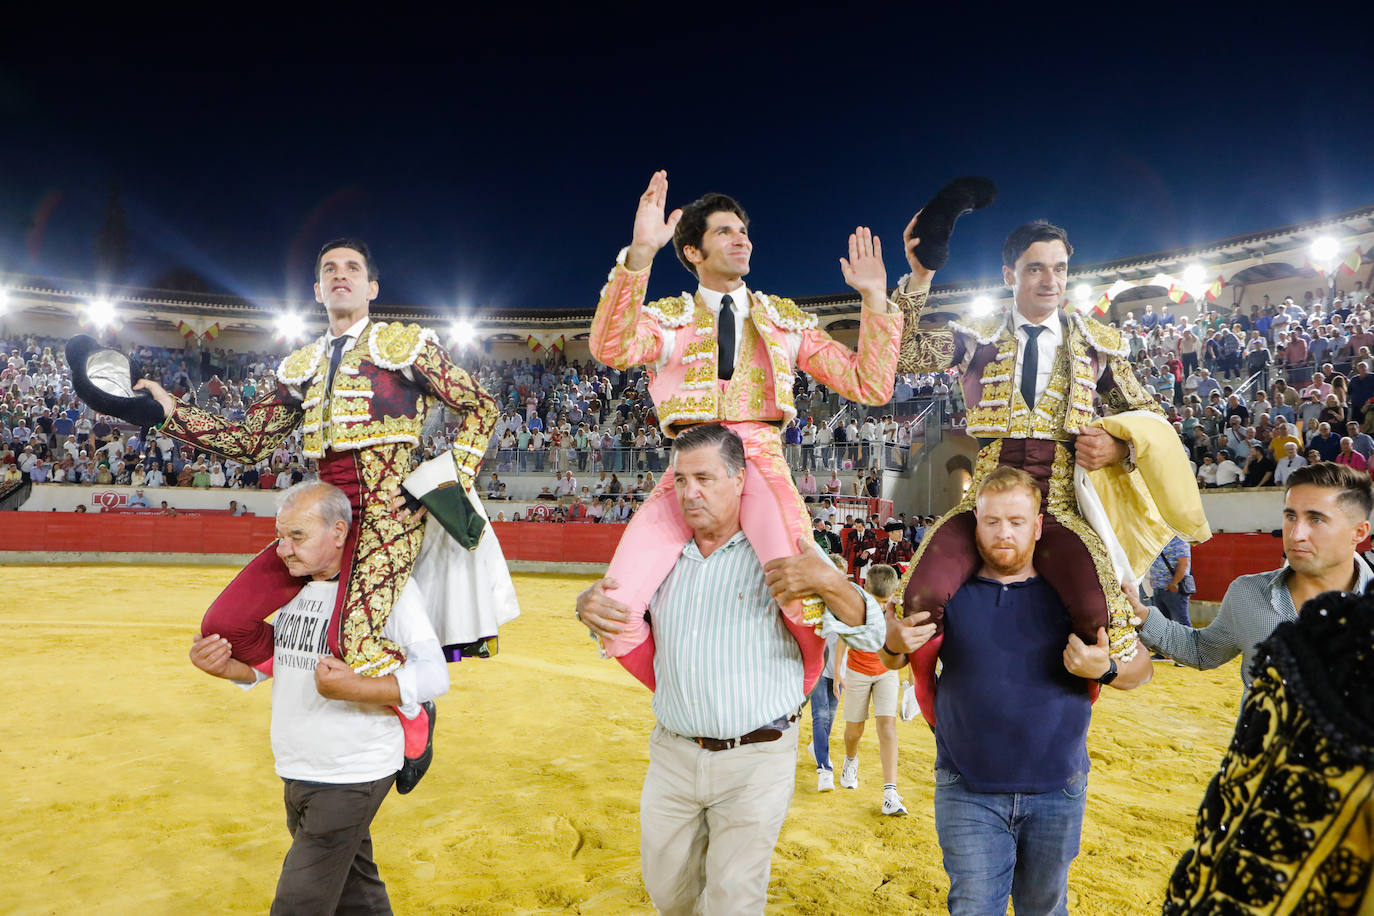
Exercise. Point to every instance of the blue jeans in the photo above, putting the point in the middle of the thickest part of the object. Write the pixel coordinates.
(823, 706)
(1008, 845)
(1174, 605)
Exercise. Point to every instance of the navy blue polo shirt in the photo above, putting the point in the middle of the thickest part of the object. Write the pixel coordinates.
(1009, 717)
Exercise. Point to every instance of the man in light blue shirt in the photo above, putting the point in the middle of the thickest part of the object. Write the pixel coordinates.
(731, 680)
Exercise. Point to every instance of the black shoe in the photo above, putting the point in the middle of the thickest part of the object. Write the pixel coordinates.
(414, 768)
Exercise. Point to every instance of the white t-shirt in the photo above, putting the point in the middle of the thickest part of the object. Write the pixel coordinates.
(336, 741)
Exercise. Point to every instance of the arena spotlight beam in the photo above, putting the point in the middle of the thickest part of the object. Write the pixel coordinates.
(100, 312)
(290, 326)
(1324, 251)
(1083, 294)
(4, 300)
(1324, 254)
(1194, 276)
(462, 333)
(981, 305)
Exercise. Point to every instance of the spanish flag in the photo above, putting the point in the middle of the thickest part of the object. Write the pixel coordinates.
(534, 345)
(185, 330)
(1352, 262)
(1215, 289)
(211, 332)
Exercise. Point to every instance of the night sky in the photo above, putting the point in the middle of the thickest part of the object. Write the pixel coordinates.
(495, 160)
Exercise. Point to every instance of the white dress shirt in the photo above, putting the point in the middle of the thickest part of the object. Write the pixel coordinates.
(739, 301)
(1048, 342)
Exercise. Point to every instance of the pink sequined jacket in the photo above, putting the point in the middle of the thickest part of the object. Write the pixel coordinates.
(676, 339)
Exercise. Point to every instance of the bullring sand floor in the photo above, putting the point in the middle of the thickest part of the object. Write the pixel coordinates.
(136, 784)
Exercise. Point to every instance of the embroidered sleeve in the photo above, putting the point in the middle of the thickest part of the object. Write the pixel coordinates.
(477, 413)
(625, 332)
(268, 421)
(865, 375)
(923, 349)
(1121, 390)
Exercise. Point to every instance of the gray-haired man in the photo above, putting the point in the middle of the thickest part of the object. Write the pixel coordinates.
(337, 740)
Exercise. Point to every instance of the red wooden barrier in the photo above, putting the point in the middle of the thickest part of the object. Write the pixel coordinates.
(1215, 564)
(79, 532)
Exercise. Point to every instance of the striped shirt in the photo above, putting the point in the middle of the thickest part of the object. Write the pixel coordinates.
(725, 662)
(1254, 605)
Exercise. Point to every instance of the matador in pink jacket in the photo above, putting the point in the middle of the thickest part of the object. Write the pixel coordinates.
(727, 354)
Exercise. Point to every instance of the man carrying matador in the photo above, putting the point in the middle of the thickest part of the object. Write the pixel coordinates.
(728, 354)
(1116, 485)
(360, 395)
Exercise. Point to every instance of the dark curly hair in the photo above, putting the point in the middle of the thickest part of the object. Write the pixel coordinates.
(691, 229)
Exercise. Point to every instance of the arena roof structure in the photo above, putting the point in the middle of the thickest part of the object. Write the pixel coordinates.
(1280, 260)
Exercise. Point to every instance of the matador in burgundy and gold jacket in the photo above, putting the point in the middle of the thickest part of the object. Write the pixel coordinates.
(1090, 365)
(363, 431)
(675, 338)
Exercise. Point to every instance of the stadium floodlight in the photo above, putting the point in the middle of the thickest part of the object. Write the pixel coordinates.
(1324, 250)
(4, 300)
(101, 312)
(1194, 276)
(1083, 293)
(981, 305)
(290, 326)
(462, 333)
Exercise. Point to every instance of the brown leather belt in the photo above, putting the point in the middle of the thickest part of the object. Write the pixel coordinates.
(770, 732)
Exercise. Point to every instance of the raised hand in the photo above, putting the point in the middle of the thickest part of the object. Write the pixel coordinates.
(164, 400)
(920, 275)
(652, 231)
(863, 269)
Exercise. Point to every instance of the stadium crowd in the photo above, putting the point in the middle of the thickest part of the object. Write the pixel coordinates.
(1253, 394)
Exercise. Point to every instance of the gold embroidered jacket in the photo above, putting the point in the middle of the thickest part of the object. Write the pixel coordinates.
(1093, 360)
(383, 389)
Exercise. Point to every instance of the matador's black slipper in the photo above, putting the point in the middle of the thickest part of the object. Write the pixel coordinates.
(413, 769)
(936, 223)
(104, 378)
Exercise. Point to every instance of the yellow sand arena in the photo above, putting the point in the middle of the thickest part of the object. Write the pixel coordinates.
(136, 784)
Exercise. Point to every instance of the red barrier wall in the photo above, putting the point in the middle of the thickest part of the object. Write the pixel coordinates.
(574, 542)
(1215, 564)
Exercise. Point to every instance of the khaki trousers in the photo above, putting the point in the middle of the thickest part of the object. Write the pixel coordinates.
(709, 821)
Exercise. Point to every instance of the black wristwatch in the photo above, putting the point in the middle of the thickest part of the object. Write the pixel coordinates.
(1110, 674)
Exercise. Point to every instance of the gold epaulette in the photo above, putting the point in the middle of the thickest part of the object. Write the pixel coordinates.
(672, 312)
(984, 330)
(395, 346)
(1100, 337)
(786, 314)
(300, 365)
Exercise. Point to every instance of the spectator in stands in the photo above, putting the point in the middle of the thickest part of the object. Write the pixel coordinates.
(567, 485)
(1333, 413)
(807, 486)
(1290, 462)
(1349, 457)
(1309, 413)
(1259, 468)
(1206, 385)
(1228, 472)
(1361, 441)
(1281, 437)
(1325, 443)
